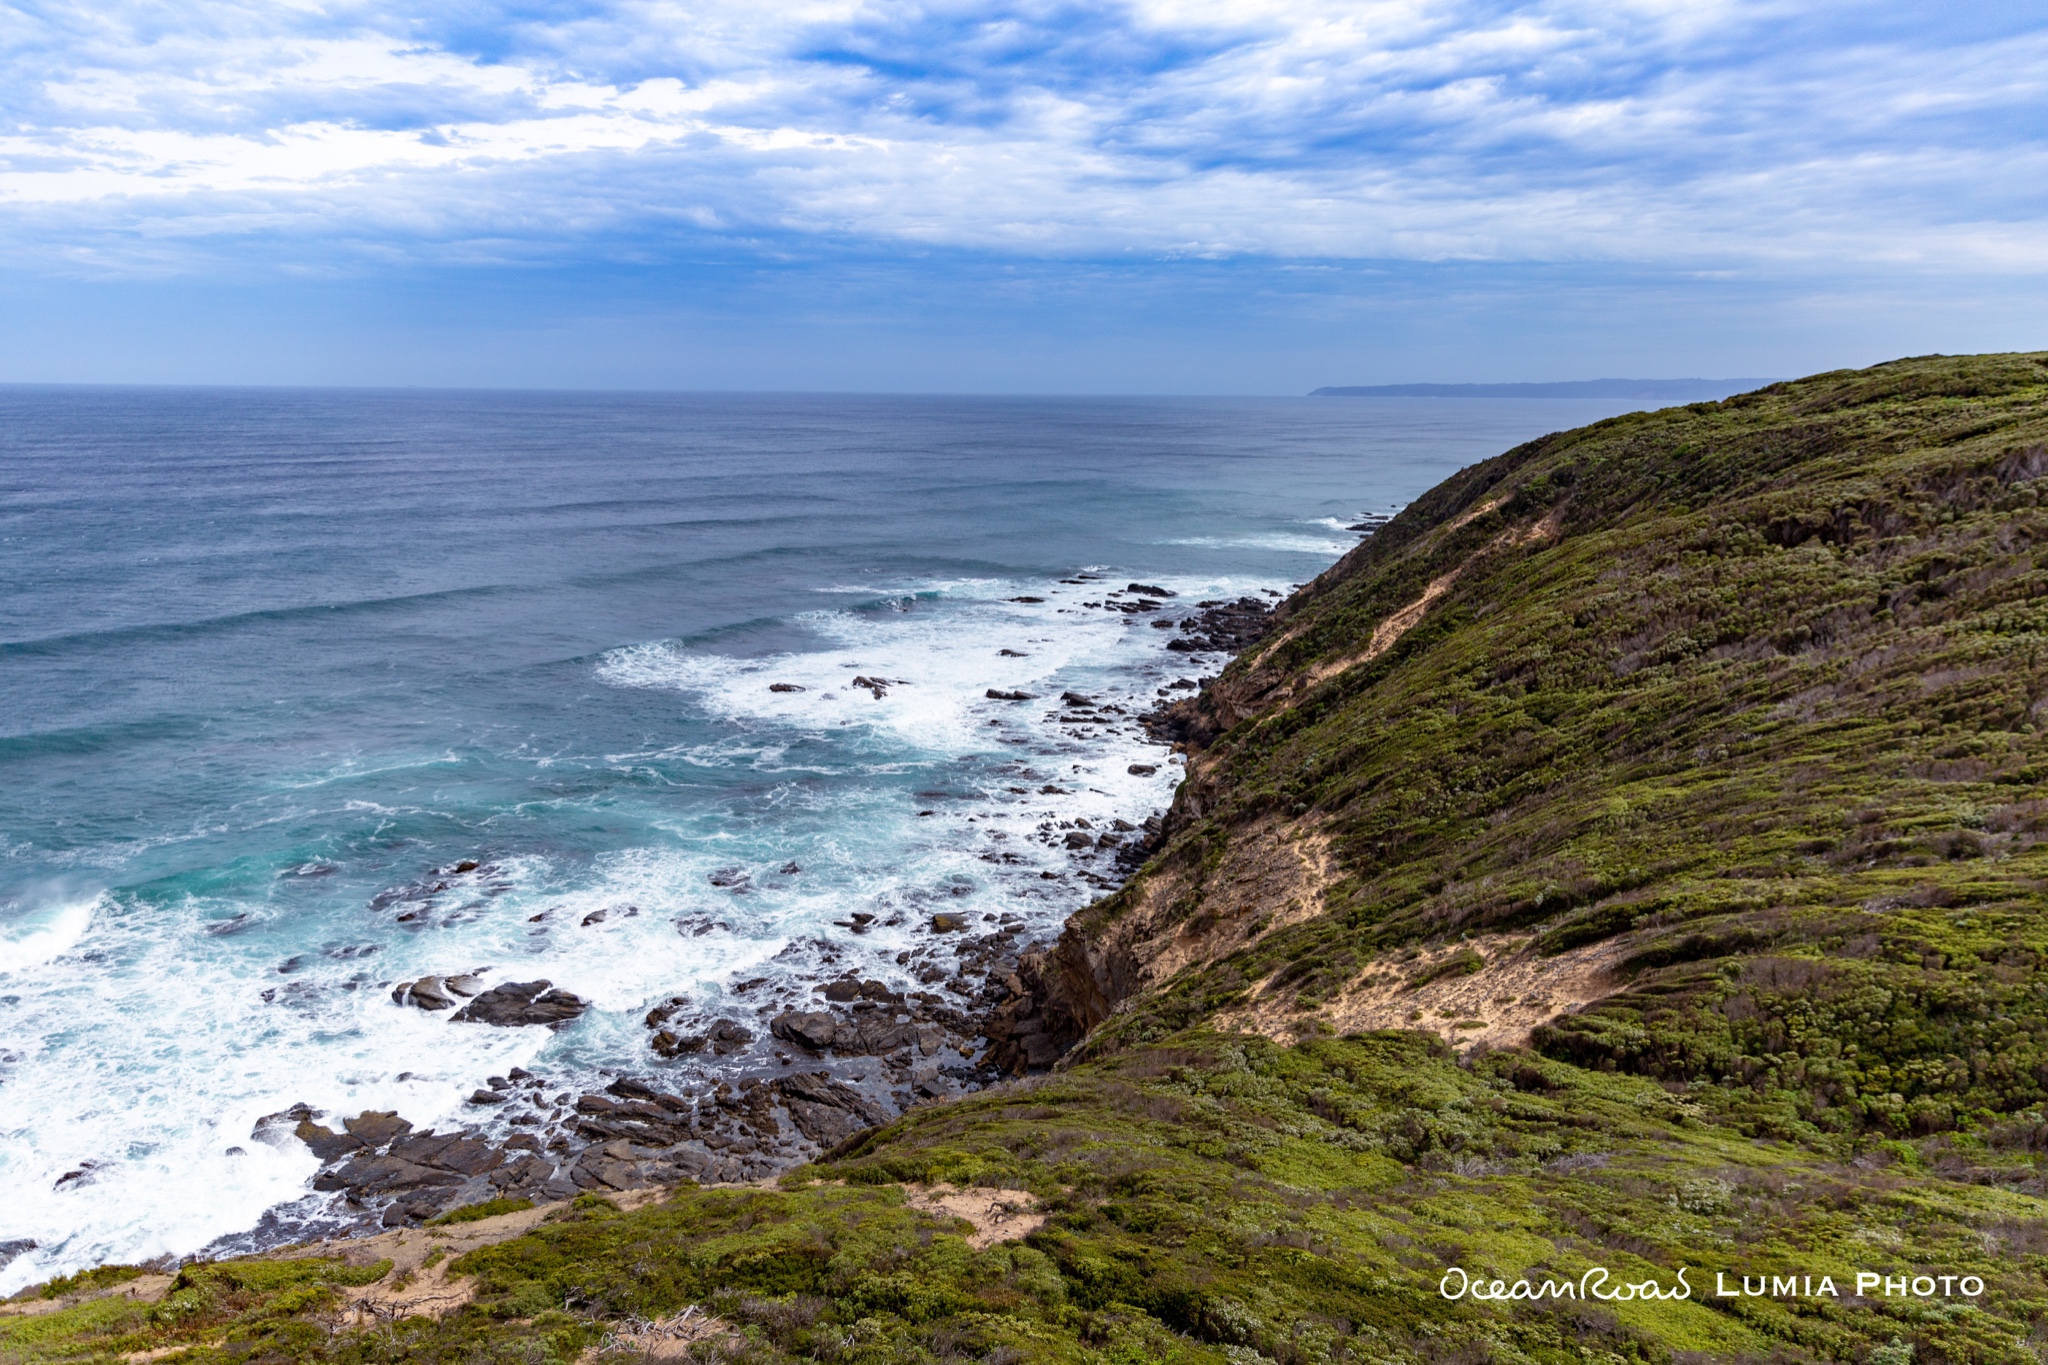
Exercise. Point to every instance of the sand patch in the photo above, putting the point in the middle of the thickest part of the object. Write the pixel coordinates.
(996, 1215)
(1492, 988)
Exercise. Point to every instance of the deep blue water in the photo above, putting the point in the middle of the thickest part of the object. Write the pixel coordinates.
(265, 655)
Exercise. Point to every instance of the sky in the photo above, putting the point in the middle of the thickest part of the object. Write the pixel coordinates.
(1172, 196)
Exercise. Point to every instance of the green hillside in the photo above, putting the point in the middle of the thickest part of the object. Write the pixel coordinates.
(1627, 858)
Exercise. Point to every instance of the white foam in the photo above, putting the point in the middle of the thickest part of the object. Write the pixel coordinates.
(45, 934)
(1277, 540)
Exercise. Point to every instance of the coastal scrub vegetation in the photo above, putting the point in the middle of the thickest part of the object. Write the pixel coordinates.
(1752, 693)
(1732, 713)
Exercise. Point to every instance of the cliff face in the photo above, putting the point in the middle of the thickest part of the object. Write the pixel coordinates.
(1662, 744)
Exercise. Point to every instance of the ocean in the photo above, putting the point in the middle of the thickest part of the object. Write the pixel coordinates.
(304, 694)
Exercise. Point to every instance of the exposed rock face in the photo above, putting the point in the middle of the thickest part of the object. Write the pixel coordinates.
(523, 1002)
(1052, 1007)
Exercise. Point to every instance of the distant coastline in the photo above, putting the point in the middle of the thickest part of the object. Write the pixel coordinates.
(1677, 390)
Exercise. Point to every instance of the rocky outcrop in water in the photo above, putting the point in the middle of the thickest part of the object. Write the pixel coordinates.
(518, 1003)
(1223, 627)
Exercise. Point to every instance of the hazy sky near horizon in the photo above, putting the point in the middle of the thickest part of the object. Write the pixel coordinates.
(1209, 196)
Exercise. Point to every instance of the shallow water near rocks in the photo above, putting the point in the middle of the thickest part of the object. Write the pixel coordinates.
(274, 666)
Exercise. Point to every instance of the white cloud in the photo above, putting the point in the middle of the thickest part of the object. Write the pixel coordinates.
(1692, 134)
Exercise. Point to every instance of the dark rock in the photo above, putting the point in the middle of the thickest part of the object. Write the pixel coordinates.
(528, 1173)
(811, 1029)
(1032, 600)
(729, 876)
(727, 1036)
(386, 1175)
(1076, 839)
(997, 694)
(327, 1144)
(784, 687)
(948, 924)
(840, 991)
(426, 993)
(625, 1087)
(1041, 1051)
(1142, 769)
(827, 1111)
(464, 1156)
(518, 1003)
(486, 1097)
(375, 1127)
(666, 1010)
(1149, 591)
(873, 1036)
(673, 1045)
(1012, 654)
(595, 917)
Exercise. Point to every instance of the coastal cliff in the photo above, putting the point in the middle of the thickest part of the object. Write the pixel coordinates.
(1612, 735)
(1623, 869)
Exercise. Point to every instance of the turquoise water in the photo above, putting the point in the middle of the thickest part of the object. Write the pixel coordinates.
(272, 662)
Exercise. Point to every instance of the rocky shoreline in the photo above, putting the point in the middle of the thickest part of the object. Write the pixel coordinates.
(740, 1095)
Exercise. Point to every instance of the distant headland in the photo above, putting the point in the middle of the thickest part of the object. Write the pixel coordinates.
(1676, 390)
